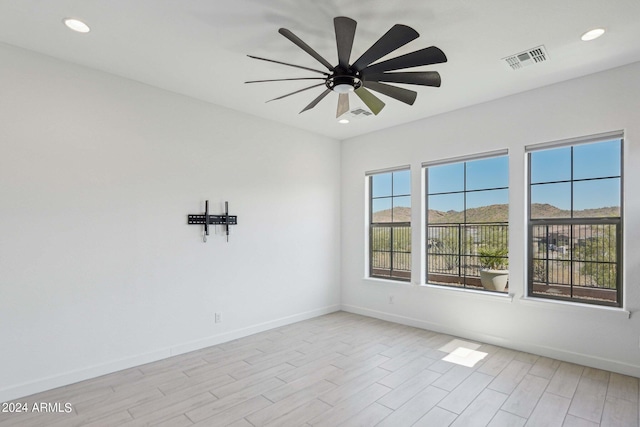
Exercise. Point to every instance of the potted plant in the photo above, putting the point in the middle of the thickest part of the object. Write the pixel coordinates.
(494, 274)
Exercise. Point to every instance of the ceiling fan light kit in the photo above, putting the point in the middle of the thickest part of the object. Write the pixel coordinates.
(365, 74)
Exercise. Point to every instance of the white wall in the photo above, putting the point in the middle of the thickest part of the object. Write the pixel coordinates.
(98, 268)
(598, 337)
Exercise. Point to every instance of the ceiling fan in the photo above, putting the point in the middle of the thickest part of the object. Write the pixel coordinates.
(364, 73)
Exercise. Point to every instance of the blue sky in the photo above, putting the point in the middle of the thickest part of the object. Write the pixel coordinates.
(382, 184)
(595, 160)
(481, 174)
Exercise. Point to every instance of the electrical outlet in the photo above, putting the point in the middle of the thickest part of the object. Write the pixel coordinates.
(218, 317)
(391, 299)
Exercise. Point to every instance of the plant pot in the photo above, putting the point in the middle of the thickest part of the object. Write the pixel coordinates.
(494, 280)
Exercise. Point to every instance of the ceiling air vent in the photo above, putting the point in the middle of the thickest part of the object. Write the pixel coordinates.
(358, 113)
(526, 58)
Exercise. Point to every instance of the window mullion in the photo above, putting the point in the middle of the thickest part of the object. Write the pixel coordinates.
(586, 230)
(379, 249)
(391, 269)
(454, 240)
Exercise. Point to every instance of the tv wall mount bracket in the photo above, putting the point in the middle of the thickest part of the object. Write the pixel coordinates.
(207, 219)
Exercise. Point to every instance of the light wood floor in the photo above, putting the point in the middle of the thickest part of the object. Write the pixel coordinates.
(344, 369)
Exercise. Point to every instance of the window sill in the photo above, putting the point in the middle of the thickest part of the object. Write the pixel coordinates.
(470, 293)
(555, 305)
(387, 281)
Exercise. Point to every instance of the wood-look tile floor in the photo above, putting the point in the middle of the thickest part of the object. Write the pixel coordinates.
(346, 370)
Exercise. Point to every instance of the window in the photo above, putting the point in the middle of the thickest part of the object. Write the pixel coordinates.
(467, 222)
(390, 225)
(575, 222)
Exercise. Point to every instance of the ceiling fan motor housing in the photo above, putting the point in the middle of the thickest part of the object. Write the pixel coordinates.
(340, 80)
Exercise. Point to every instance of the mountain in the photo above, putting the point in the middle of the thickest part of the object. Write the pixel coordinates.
(400, 214)
(493, 213)
(540, 210)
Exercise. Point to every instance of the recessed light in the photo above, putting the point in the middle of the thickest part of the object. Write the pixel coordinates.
(343, 121)
(592, 34)
(76, 25)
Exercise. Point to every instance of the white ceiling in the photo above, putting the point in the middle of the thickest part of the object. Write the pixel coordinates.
(198, 47)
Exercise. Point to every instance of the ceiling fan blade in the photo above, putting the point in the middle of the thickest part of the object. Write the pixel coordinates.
(373, 102)
(403, 95)
(426, 56)
(293, 93)
(345, 33)
(396, 37)
(290, 65)
(315, 101)
(302, 45)
(284, 80)
(424, 78)
(343, 104)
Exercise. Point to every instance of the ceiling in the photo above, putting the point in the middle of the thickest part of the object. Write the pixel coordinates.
(199, 48)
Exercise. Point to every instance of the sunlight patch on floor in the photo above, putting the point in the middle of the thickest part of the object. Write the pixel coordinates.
(462, 353)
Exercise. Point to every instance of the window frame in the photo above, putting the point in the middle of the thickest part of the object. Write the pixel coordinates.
(618, 222)
(464, 159)
(371, 225)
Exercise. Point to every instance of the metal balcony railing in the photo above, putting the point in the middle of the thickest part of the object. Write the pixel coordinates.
(390, 255)
(576, 260)
(453, 251)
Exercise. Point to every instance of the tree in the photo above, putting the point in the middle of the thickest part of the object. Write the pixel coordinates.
(598, 257)
(446, 246)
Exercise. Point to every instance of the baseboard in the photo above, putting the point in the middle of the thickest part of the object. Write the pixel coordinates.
(55, 381)
(551, 352)
(254, 329)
